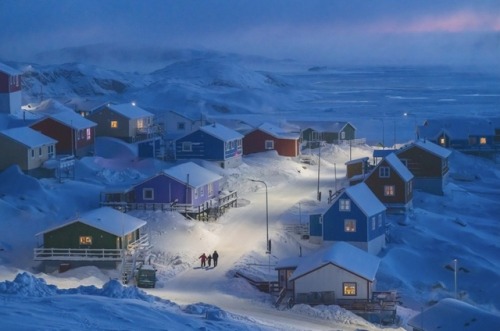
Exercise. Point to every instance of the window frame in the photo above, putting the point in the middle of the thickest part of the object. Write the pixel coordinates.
(389, 190)
(113, 124)
(269, 144)
(384, 172)
(85, 240)
(148, 193)
(350, 225)
(345, 205)
(187, 146)
(349, 289)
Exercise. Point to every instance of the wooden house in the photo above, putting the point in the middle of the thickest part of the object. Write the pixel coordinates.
(125, 121)
(10, 90)
(357, 170)
(178, 125)
(392, 183)
(355, 216)
(428, 163)
(75, 134)
(25, 147)
(102, 234)
(331, 132)
(213, 142)
(270, 137)
(454, 315)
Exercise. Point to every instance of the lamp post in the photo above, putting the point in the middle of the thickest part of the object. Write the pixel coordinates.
(455, 271)
(406, 114)
(268, 244)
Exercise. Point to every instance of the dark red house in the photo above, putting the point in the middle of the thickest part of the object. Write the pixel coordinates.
(428, 162)
(392, 183)
(270, 137)
(10, 90)
(74, 133)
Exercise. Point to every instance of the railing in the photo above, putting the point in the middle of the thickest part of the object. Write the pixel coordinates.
(89, 254)
(142, 242)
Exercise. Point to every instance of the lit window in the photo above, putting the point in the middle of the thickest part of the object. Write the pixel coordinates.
(140, 123)
(269, 144)
(389, 190)
(88, 133)
(86, 240)
(187, 146)
(442, 141)
(350, 225)
(384, 172)
(482, 140)
(345, 205)
(350, 289)
(114, 124)
(148, 194)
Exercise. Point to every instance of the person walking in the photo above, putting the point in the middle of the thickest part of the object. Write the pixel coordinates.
(215, 256)
(203, 259)
(209, 260)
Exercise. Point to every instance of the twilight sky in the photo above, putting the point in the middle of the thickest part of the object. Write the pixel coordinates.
(319, 31)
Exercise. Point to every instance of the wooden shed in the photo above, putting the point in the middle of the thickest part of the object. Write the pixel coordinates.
(270, 137)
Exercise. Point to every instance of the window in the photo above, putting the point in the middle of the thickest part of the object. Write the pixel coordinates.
(379, 220)
(40, 151)
(374, 223)
(202, 191)
(140, 123)
(114, 124)
(389, 190)
(148, 194)
(384, 172)
(32, 153)
(442, 141)
(344, 205)
(195, 193)
(410, 187)
(187, 146)
(482, 140)
(350, 289)
(210, 189)
(269, 144)
(350, 225)
(86, 240)
(88, 133)
(239, 142)
(342, 135)
(50, 151)
(181, 126)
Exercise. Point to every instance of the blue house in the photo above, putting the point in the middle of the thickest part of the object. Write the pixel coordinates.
(356, 216)
(213, 142)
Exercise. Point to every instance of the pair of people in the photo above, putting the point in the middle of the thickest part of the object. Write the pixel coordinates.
(204, 259)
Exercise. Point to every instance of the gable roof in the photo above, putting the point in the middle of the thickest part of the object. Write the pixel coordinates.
(198, 176)
(28, 137)
(429, 147)
(278, 132)
(130, 111)
(398, 166)
(9, 70)
(364, 198)
(343, 255)
(106, 219)
(72, 120)
(454, 315)
(221, 132)
(355, 161)
(322, 126)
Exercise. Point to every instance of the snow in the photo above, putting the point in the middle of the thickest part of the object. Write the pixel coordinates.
(399, 167)
(365, 199)
(193, 174)
(221, 132)
(28, 137)
(130, 111)
(417, 261)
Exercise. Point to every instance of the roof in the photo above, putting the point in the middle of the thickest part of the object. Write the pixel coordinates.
(364, 198)
(278, 132)
(198, 176)
(28, 137)
(106, 219)
(321, 126)
(130, 111)
(9, 70)
(360, 160)
(382, 152)
(454, 315)
(72, 120)
(221, 132)
(343, 255)
(399, 167)
(429, 147)
(457, 127)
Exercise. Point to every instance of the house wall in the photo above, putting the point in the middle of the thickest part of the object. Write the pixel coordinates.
(69, 237)
(376, 184)
(255, 142)
(354, 169)
(103, 118)
(173, 121)
(206, 147)
(16, 153)
(422, 163)
(331, 278)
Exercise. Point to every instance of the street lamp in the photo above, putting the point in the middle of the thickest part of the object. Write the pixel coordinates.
(268, 243)
(406, 114)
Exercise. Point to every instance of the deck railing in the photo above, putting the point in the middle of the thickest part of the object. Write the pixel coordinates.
(88, 254)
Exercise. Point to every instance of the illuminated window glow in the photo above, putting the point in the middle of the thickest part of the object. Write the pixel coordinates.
(86, 240)
(350, 289)
(114, 124)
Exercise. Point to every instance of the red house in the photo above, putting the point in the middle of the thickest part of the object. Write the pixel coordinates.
(10, 90)
(270, 137)
(74, 133)
(392, 183)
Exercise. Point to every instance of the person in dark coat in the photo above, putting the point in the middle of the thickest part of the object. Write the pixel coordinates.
(203, 259)
(209, 260)
(215, 256)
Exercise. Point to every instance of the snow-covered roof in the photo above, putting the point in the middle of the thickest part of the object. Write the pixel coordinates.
(106, 219)
(364, 198)
(321, 126)
(429, 147)
(278, 132)
(9, 70)
(72, 120)
(399, 167)
(221, 132)
(382, 152)
(343, 255)
(457, 127)
(360, 160)
(130, 111)
(28, 137)
(198, 176)
(455, 315)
